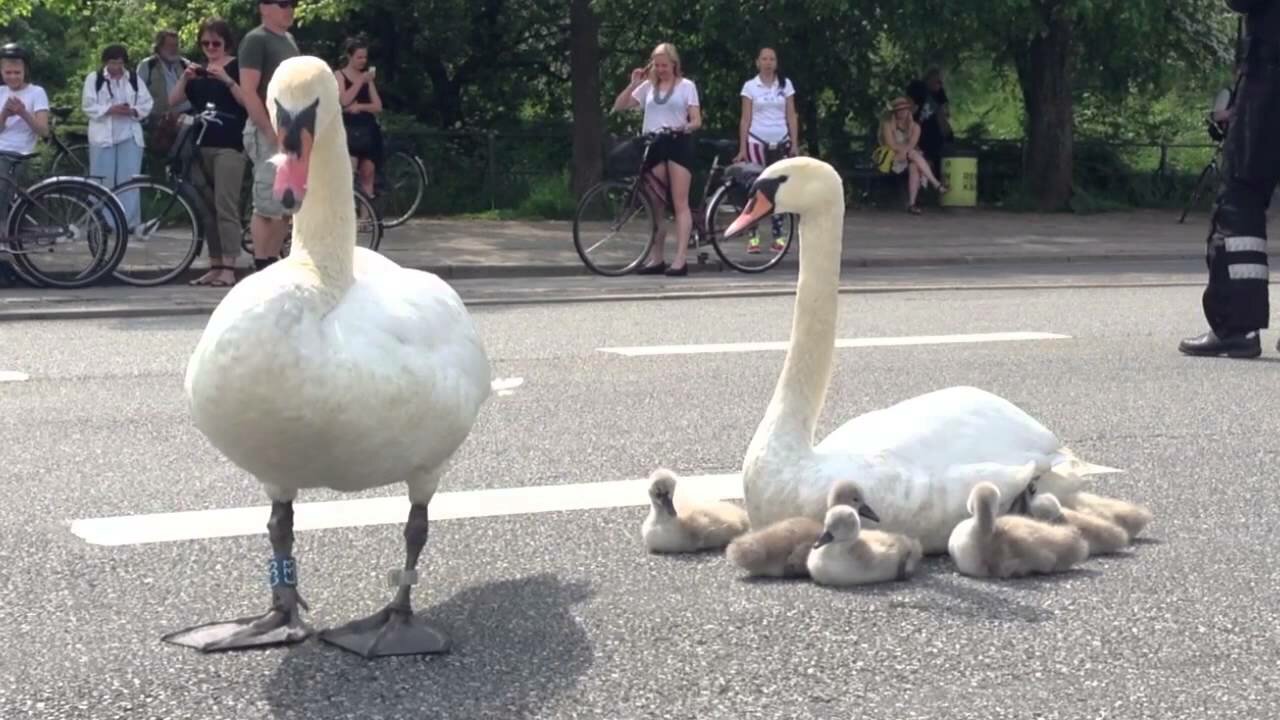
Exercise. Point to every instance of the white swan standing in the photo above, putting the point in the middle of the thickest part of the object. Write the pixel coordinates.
(916, 461)
(334, 368)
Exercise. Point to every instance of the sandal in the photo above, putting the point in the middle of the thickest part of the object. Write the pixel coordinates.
(209, 279)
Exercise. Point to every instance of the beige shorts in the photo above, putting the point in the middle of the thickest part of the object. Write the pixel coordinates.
(259, 148)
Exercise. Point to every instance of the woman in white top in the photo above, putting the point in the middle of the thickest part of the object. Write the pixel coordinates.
(24, 116)
(768, 130)
(115, 101)
(669, 100)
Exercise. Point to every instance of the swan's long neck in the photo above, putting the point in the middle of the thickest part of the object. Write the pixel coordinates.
(802, 386)
(324, 230)
(986, 515)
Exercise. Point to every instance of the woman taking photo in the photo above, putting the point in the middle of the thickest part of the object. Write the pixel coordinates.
(768, 130)
(115, 102)
(669, 100)
(222, 159)
(360, 108)
(24, 115)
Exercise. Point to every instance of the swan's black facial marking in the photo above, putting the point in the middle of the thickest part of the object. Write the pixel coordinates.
(768, 187)
(292, 126)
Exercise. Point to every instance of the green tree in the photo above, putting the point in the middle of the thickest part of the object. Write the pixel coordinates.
(1063, 48)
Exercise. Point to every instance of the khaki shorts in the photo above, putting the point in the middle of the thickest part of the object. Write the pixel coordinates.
(259, 149)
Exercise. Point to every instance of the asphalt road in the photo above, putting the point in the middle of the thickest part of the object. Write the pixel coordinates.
(564, 615)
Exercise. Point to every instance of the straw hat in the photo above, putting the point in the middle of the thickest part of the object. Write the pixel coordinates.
(901, 103)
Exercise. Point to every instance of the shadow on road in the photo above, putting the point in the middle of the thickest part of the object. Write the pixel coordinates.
(516, 646)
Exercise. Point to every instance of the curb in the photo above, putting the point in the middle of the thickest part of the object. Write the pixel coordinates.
(105, 312)
(541, 270)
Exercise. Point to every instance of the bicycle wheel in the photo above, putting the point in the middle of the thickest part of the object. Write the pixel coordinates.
(400, 186)
(167, 237)
(67, 233)
(74, 162)
(738, 252)
(613, 228)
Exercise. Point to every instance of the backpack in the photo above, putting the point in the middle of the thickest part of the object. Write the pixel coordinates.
(102, 80)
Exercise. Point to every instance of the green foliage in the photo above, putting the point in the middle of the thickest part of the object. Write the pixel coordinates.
(1142, 71)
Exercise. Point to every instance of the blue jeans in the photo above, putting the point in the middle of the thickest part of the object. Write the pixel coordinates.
(116, 164)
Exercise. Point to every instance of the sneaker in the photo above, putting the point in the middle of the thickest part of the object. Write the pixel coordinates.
(753, 244)
(1247, 345)
(778, 245)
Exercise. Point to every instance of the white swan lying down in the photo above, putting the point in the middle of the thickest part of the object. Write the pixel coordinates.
(916, 461)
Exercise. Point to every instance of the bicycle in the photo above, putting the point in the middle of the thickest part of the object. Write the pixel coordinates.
(67, 159)
(1214, 166)
(369, 223)
(55, 213)
(400, 183)
(171, 209)
(724, 195)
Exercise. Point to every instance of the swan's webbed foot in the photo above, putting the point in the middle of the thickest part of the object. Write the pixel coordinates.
(282, 624)
(395, 630)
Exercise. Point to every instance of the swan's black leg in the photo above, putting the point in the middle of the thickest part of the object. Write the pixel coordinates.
(395, 630)
(282, 624)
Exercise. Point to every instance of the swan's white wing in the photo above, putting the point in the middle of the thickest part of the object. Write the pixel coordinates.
(945, 428)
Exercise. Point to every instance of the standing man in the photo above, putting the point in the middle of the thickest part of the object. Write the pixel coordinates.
(261, 52)
(160, 72)
(1235, 301)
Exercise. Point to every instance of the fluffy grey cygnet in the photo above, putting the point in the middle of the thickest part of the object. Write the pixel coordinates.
(782, 549)
(848, 555)
(699, 526)
(1102, 535)
(1011, 545)
(1133, 518)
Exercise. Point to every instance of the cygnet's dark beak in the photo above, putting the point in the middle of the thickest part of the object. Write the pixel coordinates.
(865, 511)
(295, 134)
(824, 539)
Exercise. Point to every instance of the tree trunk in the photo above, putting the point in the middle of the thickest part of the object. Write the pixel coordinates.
(1045, 76)
(588, 115)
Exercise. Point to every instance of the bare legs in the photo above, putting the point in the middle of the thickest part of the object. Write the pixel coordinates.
(918, 171)
(680, 178)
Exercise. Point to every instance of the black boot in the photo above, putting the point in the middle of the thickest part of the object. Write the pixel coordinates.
(1243, 345)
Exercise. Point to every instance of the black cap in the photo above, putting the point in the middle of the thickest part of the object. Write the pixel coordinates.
(14, 51)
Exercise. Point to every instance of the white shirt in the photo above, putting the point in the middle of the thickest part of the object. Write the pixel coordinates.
(107, 130)
(768, 108)
(18, 136)
(672, 113)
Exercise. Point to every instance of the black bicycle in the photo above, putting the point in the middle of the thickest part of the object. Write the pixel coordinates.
(62, 232)
(616, 222)
(170, 232)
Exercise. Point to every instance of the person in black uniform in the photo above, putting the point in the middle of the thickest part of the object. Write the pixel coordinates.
(1235, 301)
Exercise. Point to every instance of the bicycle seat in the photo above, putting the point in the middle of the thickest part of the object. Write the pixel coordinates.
(721, 147)
(744, 173)
(61, 113)
(19, 157)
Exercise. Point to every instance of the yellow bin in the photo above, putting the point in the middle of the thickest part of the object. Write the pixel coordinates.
(960, 174)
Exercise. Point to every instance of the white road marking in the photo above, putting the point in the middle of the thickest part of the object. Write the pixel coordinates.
(230, 522)
(640, 350)
(506, 386)
(13, 376)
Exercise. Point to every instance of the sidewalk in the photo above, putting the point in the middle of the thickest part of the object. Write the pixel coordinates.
(483, 248)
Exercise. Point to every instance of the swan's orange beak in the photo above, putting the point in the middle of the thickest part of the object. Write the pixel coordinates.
(295, 134)
(757, 207)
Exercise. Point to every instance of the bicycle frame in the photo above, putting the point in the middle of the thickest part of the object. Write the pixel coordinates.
(660, 191)
(19, 194)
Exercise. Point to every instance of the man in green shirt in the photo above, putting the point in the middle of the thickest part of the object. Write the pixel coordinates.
(261, 52)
